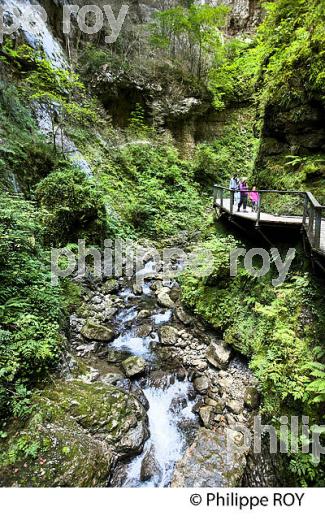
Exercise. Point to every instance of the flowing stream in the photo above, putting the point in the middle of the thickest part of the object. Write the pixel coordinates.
(165, 389)
(167, 441)
(172, 422)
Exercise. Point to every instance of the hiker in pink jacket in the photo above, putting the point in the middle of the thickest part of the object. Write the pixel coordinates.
(254, 198)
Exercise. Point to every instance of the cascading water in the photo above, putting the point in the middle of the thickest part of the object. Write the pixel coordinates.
(167, 441)
(170, 413)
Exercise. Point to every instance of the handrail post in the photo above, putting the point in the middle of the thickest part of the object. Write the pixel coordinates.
(232, 198)
(317, 231)
(258, 217)
(221, 197)
(215, 192)
(304, 219)
(311, 220)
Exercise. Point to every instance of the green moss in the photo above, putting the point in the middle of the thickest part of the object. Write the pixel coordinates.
(232, 152)
(71, 438)
(280, 329)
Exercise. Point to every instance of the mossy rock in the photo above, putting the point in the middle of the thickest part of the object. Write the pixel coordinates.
(210, 462)
(96, 332)
(134, 366)
(76, 434)
(110, 286)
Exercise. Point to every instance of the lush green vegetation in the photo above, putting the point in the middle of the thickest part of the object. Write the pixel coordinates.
(140, 185)
(291, 86)
(232, 152)
(280, 329)
(31, 310)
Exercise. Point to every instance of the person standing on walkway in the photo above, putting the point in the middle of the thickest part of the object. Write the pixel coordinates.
(234, 186)
(243, 186)
(254, 198)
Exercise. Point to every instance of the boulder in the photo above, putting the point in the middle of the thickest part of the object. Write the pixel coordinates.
(178, 404)
(181, 374)
(144, 330)
(134, 366)
(201, 384)
(96, 332)
(168, 335)
(160, 379)
(183, 316)
(80, 430)
(235, 406)
(218, 354)
(143, 314)
(205, 414)
(112, 376)
(137, 289)
(164, 299)
(251, 397)
(150, 468)
(210, 462)
(110, 286)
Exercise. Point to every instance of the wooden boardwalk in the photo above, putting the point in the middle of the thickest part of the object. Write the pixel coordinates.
(311, 221)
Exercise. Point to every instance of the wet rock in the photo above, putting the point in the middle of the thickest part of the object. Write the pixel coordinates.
(134, 366)
(150, 467)
(191, 394)
(205, 414)
(94, 331)
(140, 395)
(115, 356)
(156, 286)
(251, 397)
(82, 428)
(218, 354)
(143, 314)
(144, 330)
(183, 316)
(235, 406)
(160, 379)
(209, 462)
(110, 286)
(164, 299)
(181, 374)
(168, 335)
(137, 289)
(201, 384)
(177, 404)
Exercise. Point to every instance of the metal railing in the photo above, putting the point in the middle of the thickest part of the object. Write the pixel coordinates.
(312, 217)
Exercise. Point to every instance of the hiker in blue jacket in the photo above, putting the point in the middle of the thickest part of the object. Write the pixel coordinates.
(234, 185)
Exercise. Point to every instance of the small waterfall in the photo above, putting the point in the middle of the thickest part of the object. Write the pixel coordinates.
(13, 182)
(167, 441)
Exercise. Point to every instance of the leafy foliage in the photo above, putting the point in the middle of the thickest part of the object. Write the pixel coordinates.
(280, 329)
(75, 207)
(31, 310)
(191, 34)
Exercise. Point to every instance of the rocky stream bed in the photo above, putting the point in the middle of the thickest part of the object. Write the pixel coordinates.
(147, 396)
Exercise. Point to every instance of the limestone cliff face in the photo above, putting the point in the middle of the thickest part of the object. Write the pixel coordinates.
(244, 17)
